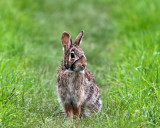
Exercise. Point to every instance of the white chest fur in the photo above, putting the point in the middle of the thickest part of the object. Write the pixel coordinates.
(75, 93)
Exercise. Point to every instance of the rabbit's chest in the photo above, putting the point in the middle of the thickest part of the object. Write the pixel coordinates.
(74, 85)
(74, 88)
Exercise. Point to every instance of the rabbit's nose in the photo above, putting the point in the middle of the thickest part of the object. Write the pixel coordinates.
(83, 65)
(83, 62)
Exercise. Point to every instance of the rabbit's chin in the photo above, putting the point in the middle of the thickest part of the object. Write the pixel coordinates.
(78, 68)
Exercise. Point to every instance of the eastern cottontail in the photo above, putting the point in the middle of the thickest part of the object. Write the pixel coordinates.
(77, 88)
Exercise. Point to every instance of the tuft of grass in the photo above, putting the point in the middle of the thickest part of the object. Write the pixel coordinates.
(123, 36)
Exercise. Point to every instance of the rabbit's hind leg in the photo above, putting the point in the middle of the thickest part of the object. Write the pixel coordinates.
(96, 106)
(84, 112)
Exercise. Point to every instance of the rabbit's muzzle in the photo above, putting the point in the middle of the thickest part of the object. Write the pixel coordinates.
(79, 64)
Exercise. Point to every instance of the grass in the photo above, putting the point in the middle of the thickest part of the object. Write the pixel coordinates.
(122, 35)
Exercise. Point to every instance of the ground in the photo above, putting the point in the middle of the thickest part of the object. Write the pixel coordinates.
(122, 46)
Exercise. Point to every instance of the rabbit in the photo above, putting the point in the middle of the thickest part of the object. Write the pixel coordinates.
(77, 90)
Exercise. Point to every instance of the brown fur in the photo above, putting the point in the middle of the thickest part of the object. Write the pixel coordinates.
(77, 88)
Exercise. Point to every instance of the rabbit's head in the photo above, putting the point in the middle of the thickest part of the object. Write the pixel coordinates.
(74, 58)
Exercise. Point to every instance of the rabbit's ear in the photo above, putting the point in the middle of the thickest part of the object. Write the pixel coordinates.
(66, 41)
(79, 38)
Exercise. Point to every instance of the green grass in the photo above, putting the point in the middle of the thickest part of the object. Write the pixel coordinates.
(122, 35)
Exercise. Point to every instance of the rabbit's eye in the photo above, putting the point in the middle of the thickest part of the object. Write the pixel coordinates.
(72, 55)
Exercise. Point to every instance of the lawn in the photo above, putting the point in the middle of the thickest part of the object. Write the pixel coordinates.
(122, 45)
